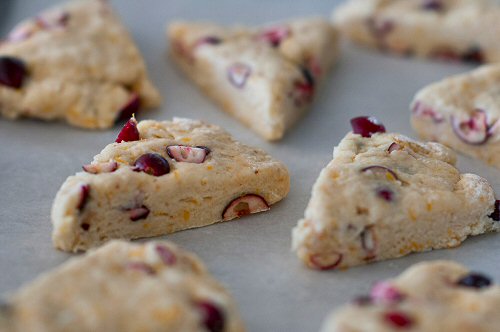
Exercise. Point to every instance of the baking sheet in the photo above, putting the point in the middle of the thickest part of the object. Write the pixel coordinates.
(251, 256)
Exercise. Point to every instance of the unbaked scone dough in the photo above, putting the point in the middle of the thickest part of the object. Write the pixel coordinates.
(456, 30)
(386, 196)
(124, 287)
(462, 112)
(266, 77)
(200, 175)
(437, 296)
(75, 62)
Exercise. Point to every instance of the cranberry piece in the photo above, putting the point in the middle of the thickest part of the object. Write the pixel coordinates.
(166, 255)
(474, 131)
(107, 167)
(152, 164)
(473, 55)
(380, 29)
(366, 126)
(384, 292)
(210, 40)
(326, 261)
(238, 74)
(433, 5)
(53, 20)
(138, 213)
(21, 32)
(275, 35)
(188, 154)
(12, 72)
(381, 171)
(496, 213)
(244, 205)
(304, 89)
(394, 147)
(475, 280)
(132, 106)
(84, 196)
(385, 194)
(141, 267)
(129, 132)
(421, 110)
(212, 316)
(398, 319)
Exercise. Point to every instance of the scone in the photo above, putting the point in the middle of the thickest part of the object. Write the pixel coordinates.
(456, 30)
(462, 112)
(124, 287)
(438, 296)
(384, 196)
(265, 77)
(75, 62)
(162, 177)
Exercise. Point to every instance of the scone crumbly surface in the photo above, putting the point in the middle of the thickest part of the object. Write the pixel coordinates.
(434, 296)
(124, 287)
(266, 77)
(386, 196)
(79, 64)
(115, 199)
(451, 30)
(462, 112)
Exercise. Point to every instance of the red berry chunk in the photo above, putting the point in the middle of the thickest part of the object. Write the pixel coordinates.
(275, 35)
(366, 126)
(326, 261)
(107, 167)
(238, 74)
(398, 320)
(84, 196)
(475, 280)
(384, 292)
(188, 154)
(152, 164)
(12, 72)
(244, 205)
(496, 213)
(129, 132)
(138, 213)
(381, 172)
(385, 194)
(474, 130)
(166, 255)
(212, 316)
(433, 5)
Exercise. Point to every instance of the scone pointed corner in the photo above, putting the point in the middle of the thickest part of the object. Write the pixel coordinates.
(384, 196)
(266, 77)
(74, 62)
(163, 177)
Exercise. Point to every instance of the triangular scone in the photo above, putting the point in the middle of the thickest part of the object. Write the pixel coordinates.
(457, 30)
(124, 287)
(74, 62)
(386, 196)
(433, 296)
(265, 77)
(178, 175)
(462, 112)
